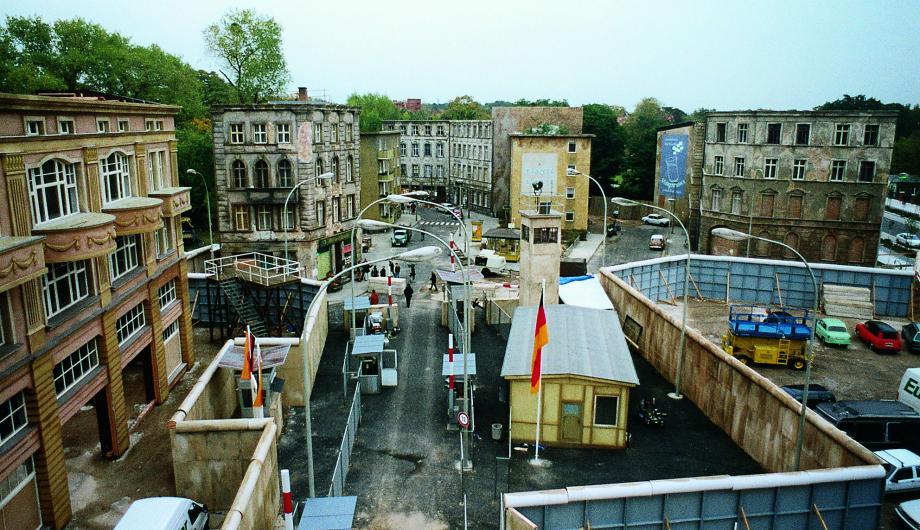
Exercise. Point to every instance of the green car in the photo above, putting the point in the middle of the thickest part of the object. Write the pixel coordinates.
(832, 331)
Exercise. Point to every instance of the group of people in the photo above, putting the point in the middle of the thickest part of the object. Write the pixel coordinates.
(394, 269)
(408, 292)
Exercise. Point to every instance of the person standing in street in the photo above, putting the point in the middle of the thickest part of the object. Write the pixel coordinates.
(396, 270)
(391, 268)
(408, 292)
(434, 282)
(412, 272)
(375, 298)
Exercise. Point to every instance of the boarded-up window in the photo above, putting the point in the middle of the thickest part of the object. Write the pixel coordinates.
(857, 248)
(762, 248)
(766, 204)
(795, 207)
(861, 209)
(791, 239)
(832, 211)
(829, 248)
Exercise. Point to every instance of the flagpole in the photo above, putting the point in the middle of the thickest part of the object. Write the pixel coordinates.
(539, 392)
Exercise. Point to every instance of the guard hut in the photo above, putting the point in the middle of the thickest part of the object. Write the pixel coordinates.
(455, 396)
(272, 358)
(358, 305)
(587, 377)
(505, 242)
(371, 364)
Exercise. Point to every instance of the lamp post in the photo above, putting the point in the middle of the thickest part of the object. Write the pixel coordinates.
(284, 218)
(571, 173)
(416, 255)
(406, 199)
(207, 201)
(683, 328)
(735, 235)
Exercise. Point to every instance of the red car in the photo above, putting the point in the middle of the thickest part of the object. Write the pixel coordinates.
(879, 336)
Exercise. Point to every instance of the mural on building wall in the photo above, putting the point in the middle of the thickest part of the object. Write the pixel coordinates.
(538, 167)
(673, 165)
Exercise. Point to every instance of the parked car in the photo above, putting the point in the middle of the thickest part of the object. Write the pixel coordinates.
(902, 470)
(455, 210)
(657, 242)
(832, 332)
(911, 337)
(908, 240)
(909, 512)
(879, 336)
(656, 219)
(878, 424)
(400, 237)
(816, 393)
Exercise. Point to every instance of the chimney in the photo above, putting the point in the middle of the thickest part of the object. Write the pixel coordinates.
(302, 94)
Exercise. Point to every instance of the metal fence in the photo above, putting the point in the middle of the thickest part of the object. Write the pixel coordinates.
(498, 318)
(340, 472)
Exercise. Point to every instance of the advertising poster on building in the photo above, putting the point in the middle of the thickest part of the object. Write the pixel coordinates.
(673, 165)
(539, 167)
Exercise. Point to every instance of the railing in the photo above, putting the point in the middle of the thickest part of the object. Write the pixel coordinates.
(254, 267)
(340, 472)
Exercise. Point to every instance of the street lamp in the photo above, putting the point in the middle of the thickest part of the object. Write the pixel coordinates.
(207, 201)
(408, 199)
(572, 173)
(683, 328)
(412, 256)
(284, 217)
(735, 235)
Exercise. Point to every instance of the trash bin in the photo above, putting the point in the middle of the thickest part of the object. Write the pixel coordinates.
(496, 431)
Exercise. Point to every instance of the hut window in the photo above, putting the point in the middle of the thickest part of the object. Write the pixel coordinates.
(605, 410)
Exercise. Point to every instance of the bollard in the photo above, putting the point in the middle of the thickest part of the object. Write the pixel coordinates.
(288, 505)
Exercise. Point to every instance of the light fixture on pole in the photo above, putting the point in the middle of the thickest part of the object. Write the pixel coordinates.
(572, 173)
(621, 201)
(207, 201)
(284, 217)
(735, 235)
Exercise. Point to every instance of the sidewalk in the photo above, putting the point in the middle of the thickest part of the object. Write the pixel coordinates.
(585, 249)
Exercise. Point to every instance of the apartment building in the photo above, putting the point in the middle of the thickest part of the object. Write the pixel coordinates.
(380, 174)
(424, 155)
(94, 309)
(470, 183)
(304, 149)
(815, 180)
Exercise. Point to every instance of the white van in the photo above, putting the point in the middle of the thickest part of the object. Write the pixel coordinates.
(909, 390)
(164, 513)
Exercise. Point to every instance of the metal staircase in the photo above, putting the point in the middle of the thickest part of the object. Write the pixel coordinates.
(243, 306)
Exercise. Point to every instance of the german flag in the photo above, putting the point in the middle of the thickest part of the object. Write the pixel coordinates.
(540, 339)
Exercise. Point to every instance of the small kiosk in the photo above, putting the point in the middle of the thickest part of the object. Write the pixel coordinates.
(358, 305)
(505, 242)
(371, 364)
(455, 397)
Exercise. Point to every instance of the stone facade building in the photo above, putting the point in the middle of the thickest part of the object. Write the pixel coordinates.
(424, 155)
(814, 180)
(471, 164)
(263, 152)
(380, 174)
(94, 308)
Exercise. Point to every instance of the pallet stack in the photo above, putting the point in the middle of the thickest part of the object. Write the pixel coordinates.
(847, 301)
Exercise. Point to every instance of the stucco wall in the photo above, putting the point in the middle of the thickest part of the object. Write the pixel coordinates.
(312, 343)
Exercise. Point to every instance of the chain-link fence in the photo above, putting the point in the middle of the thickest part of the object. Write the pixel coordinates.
(340, 472)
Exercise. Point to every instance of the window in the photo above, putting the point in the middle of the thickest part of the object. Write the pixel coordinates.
(241, 217)
(861, 209)
(415, 170)
(870, 135)
(715, 205)
(829, 248)
(572, 146)
(261, 174)
(126, 256)
(440, 130)
(736, 202)
(718, 165)
(440, 172)
(259, 136)
(13, 417)
(798, 169)
(35, 126)
(415, 130)
(153, 125)
(720, 132)
(402, 169)
(794, 209)
(414, 149)
(792, 239)
(53, 190)
(65, 126)
(348, 132)
(164, 237)
(402, 129)
(64, 285)
(570, 192)
(857, 249)
(335, 169)
(742, 133)
(337, 209)
(239, 174)
(838, 170)
(236, 133)
(606, 410)
(317, 132)
(319, 171)
(842, 134)
(157, 170)
(761, 247)
(739, 166)
(283, 131)
(766, 204)
(427, 171)
(102, 125)
(284, 174)
(866, 171)
(167, 294)
(774, 133)
(402, 148)
(546, 235)
(264, 217)
(769, 168)
(320, 213)
(349, 169)
(832, 210)
(570, 217)
(76, 366)
(570, 170)
(123, 125)
(171, 330)
(334, 133)
(802, 133)
(115, 173)
(350, 206)
(287, 220)
(130, 323)
(440, 150)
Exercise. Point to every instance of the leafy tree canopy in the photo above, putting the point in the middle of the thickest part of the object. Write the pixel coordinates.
(465, 108)
(641, 140)
(375, 108)
(541, 103)
(607, 145)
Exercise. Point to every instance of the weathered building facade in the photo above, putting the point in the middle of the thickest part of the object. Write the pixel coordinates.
(380, 174)
(94, 308)
(424, 155)
(813, 180)
(264, 153)
(471, 164)
(679, 189)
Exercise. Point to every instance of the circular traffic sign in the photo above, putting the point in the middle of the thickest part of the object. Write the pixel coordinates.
(463, 419)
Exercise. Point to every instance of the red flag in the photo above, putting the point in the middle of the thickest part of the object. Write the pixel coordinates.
(540, 339)
(247, 349)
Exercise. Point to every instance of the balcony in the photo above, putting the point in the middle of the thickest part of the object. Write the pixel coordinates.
(175, 200)
(135, 215)
(386, 154)
(270, 195)
(21, 259)
(77, 237)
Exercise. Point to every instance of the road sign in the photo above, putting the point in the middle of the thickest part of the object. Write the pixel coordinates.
(463, 419)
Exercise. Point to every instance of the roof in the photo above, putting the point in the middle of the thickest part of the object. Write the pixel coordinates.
(899, 457)
(84, 101)
(328, 513)
(153, 512)
(582, 342)
(502, 233)
(584, 292)
(794, 113)
(680, 125)
(884, 408)
(458, 365)
(365, 344)
(560, 135)
(271, 356)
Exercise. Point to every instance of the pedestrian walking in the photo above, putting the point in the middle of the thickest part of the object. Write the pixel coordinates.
(391, 268)
(434, 282)
(396, 270)
(366, 267)
(375, 298)
(408, 292)
(374, 272)
(412, 272)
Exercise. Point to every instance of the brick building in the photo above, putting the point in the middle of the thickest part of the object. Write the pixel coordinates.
(94, 307)
(380, 174)
(263, 152)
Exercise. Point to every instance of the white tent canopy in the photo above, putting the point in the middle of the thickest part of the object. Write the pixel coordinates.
(585, 293)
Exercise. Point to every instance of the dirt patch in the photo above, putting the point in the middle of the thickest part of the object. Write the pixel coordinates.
(399, 521)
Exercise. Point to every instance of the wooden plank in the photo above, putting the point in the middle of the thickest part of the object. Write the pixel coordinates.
(779, 291)
(820, 518)
(744, 519)
(666, 284)
(699, 294)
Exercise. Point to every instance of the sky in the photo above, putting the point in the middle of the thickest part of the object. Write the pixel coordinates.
(727, 55)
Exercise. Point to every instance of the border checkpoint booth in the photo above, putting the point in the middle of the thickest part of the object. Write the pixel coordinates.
(455, 397)
(368, 361)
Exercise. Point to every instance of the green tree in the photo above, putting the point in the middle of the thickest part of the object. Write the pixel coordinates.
(699, 114)
(465, 108)
(541, 103)
(607, 145)
(196, 151)
(249, 46)
(641, 140)
(375, 108)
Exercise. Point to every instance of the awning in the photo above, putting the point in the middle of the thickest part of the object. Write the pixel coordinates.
(584, 291)
(457, 277)
(271, 356)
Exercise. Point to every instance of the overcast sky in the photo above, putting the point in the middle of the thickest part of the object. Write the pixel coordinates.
(689, 54)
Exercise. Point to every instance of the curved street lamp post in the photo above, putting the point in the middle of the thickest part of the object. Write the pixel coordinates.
(207, 201)
(572, 173)
(284, 218)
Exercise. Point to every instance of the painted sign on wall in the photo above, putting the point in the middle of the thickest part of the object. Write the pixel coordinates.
(673, 165)
(539, 167)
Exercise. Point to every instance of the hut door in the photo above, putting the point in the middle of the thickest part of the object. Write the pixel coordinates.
(571, 422)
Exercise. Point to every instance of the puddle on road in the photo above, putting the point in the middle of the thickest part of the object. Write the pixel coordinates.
(400, 521)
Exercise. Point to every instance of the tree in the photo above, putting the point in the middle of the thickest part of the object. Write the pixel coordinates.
(607, 145)
(249, 46)
(641, 141)
(375, 108)
(541, 103)
(699, 114)
(465, 108)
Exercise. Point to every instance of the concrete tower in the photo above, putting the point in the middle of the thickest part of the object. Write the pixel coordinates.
(541, 249)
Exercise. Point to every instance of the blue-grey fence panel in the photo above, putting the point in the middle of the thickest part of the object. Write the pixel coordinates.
(606, 513)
